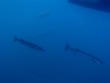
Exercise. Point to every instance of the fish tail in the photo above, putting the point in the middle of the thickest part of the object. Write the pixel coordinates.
(67, 47)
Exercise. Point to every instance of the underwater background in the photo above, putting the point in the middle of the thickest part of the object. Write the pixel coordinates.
(51, 24)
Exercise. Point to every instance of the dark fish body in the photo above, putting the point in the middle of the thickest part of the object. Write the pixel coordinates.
(28, 44)
(93, 58)
(102, 5)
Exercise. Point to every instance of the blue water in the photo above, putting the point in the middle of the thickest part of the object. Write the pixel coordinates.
(50, 24)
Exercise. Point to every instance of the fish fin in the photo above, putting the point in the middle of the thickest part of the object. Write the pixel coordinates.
(67, 47)
(15, 38)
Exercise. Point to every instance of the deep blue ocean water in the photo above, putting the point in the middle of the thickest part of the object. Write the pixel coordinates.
(51, 24)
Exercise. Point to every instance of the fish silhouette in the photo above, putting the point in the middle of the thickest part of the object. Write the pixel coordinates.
(28, 44)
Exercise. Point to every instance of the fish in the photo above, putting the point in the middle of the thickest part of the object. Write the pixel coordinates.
(29, 44)
(100, 5)
(92, 57)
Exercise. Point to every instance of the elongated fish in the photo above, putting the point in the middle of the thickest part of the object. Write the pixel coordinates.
(93, 58)
(28, 44)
